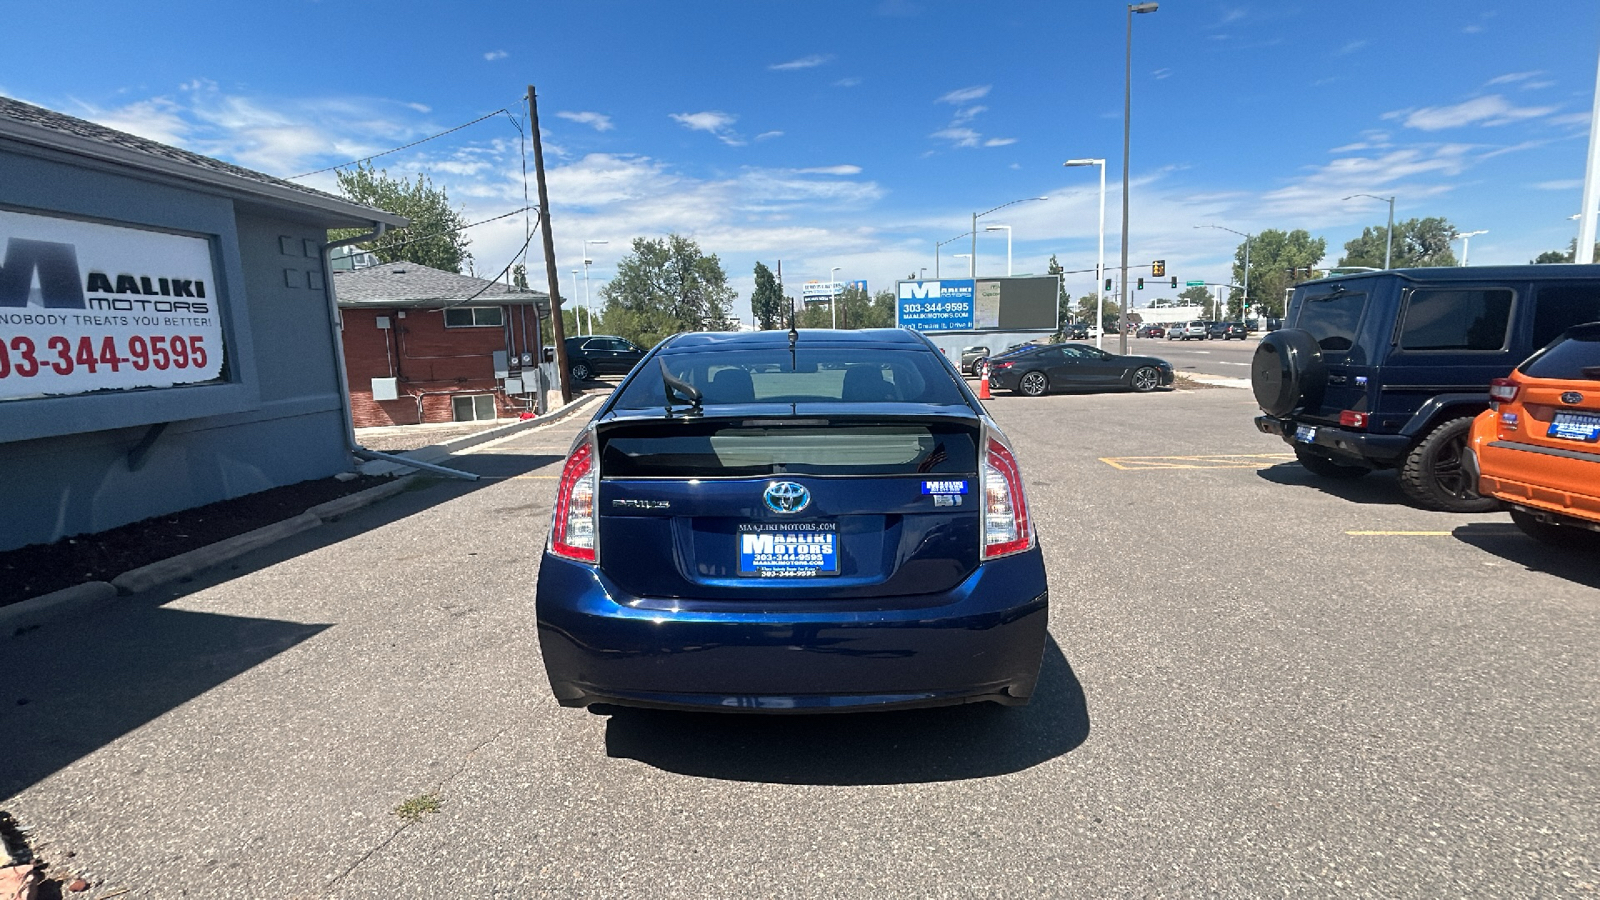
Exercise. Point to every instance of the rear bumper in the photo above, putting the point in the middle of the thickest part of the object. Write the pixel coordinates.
(982, 640)
(1564, 485)
(1342, 444)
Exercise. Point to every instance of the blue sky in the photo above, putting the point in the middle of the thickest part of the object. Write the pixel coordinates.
(857, 134)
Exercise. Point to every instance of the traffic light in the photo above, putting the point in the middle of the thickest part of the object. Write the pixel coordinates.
(1158, 268)
(1108, 285)
(1174, 281)
(1141, 284)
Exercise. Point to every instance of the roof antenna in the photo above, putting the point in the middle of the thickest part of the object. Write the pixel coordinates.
(674, 384)
(794, 335)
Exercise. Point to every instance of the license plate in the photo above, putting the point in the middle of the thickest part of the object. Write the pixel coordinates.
(788, 549)
(1305, 434)
(1572, 427)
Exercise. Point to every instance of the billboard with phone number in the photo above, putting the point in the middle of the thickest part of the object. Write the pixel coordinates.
(89, 307)
(935, 305)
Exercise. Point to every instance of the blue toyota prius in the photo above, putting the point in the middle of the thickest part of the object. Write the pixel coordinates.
(813, 521)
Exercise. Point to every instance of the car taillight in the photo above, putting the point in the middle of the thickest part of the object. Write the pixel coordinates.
(1352, 419)
(572, 532)
(1001, 365)
(1006, 528)
(1502, 390)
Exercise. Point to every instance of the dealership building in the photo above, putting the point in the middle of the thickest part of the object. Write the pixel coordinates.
(167, 335)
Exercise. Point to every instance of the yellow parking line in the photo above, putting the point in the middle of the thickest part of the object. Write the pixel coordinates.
(1218, 461)
(1400, 534)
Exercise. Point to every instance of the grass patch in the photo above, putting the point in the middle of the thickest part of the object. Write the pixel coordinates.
(421, 805)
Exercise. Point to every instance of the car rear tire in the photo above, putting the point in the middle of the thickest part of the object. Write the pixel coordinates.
(581, 372)
(1324, 467)
(1033, 384)
(1287, 371)
(1554, 535)
(1433, 475)
(1145, 379)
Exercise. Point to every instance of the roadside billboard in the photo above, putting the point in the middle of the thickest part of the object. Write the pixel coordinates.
(1022, 303)
(90, 307)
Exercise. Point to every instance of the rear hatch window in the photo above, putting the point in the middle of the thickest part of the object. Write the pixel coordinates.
(1333, 319)
(1574, 356)
(752, 450)
(813, 375)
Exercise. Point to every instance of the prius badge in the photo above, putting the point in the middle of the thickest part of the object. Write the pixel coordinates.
(786, 497)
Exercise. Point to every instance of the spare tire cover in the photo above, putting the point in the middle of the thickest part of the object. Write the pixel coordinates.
(1287, 371)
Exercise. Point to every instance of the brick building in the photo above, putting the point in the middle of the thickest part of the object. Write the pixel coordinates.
(423, 345)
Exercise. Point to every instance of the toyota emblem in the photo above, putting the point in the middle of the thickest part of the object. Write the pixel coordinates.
(1572, 398)
(786, 497)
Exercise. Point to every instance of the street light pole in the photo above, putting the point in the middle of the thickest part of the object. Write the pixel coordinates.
(972, 259)
(587, 303)
(1127, 131)
(936, 252)
(1245, 302)
(833, 295)
(1466, 238)
(1388, 250)
(1007, 230)
(1100, 267)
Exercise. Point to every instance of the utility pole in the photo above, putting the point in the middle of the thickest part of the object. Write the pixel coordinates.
(558, 331)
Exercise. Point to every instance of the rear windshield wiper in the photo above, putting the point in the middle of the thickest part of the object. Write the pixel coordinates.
(673, 384)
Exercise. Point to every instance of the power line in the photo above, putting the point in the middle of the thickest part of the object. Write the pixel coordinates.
(496, 279)
(434, 234)
(404, 147)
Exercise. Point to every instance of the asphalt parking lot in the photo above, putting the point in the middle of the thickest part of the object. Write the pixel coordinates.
(1259, 684)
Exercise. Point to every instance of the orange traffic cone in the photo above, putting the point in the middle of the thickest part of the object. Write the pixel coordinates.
(983, 382)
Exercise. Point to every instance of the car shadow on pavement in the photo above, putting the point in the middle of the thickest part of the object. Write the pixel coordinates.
(1374, 488)
(1510, 544)
(943, 744)
(73, 685)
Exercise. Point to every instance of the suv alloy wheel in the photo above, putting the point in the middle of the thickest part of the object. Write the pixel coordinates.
(581, 371)
(1433, 475)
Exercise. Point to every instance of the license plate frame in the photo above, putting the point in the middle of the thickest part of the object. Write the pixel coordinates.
(1305, 434)
(788, 549)
(1574, 427)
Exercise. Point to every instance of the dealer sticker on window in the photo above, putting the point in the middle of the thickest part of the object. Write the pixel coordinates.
(788, 549)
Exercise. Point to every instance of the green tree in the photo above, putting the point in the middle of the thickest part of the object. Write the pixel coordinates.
(663, 287)
(1272, 254)
(519, 277)
(1196, 296)
(1064, 313)
(1109, 311)
(814, 315)
(1562, 256)
(434, 237)
(766, 302)
(1417, 243)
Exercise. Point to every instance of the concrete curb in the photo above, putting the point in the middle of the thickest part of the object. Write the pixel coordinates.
(433, 453)
(146, 577)
(80, 598)
(333, 509)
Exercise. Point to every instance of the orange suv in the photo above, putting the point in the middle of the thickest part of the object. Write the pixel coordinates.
(1538, 447)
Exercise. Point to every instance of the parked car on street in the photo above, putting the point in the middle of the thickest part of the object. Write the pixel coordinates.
(1226, 331)
(750, 525)
(1077, 331)
(1152, 331)
(600, 354)
(1039, 370)
(1388, 370)
(1537, 448)
(1189, 331)
(971, 357)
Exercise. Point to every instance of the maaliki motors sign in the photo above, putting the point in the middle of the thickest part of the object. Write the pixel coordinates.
(90, 307)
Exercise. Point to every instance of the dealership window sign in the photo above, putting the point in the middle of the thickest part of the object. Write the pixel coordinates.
(935, 305)
(89, 307)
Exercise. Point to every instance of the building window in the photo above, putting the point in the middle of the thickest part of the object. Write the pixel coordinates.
(473, 408)
(473, 317)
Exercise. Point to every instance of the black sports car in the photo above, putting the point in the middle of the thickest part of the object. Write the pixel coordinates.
(1038, 371)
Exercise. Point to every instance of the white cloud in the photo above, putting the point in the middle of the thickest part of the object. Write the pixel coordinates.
(967, 114)
(1513, 77)
(1567, 184)
(768, 135)
(965, 95)
(1161, 73)
(1489, 110)
(493, 55)
(712, 122)
(804, 62)
(831, 170)
(961, 137)
(1350, 47)
(1581, 118)
(1472, 29)
(999, 142)
(847, 82)
(595, 120)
